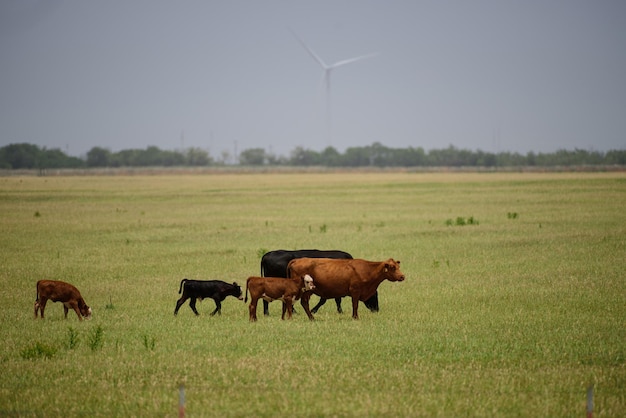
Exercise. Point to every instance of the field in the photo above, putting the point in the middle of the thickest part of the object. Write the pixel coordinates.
(514, 303)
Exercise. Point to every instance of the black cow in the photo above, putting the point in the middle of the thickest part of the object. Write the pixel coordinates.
(202, 289)
(274, 264)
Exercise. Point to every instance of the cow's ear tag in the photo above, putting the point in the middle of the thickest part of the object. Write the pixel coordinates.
(386, 269)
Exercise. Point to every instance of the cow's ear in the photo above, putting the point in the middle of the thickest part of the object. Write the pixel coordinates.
(235, 284)
(386, 267)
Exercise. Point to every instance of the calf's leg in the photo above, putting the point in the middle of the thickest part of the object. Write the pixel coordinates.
(252, 309)
(192, 305)
(289, 303)
(287, 307)
(218, 307)
(179, 303)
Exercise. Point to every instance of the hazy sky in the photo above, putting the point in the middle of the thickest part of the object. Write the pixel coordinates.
(223, 75)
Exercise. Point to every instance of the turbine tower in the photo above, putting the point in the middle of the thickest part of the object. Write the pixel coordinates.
(327, 70)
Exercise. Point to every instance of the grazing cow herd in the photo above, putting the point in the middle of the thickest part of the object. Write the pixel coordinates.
(287, 276)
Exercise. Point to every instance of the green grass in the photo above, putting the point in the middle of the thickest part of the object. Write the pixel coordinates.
(500, 315)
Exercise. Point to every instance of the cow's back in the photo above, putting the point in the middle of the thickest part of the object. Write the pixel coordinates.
(274, 263)
(57, 290)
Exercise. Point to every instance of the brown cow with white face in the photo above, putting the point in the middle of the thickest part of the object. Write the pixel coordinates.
(277, 288)
(58, 291)
(337, 278)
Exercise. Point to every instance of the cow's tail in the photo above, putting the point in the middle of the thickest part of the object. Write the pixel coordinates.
(246, 298)
(37, 299)
(180, 288)
(37, 293)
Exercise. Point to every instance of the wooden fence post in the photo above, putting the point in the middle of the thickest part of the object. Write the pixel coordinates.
(590, 402)
(181, 401)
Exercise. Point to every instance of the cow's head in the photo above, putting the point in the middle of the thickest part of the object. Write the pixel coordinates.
(237, 291)
(392, 271)
(308, 283)
(85, 311)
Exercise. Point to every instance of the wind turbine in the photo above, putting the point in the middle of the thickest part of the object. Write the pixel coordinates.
(326, 75)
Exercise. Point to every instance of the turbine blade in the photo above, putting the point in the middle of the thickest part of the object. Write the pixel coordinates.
(310, 51)
(351, 60)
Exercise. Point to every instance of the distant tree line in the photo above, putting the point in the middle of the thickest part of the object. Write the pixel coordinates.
(28, 156)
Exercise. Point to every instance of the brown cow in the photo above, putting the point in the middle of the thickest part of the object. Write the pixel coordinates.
(58, 291)
(337, 278)
(277, 288)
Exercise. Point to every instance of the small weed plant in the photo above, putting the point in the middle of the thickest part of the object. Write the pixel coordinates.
(149, 342)
(96, 338)
(72, 338)
(261, 252)
(462, 221)
(39, 350)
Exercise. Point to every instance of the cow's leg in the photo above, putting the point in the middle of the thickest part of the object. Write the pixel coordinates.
(36, 307)
(319, 305)
(218, 307)
(192, 305)
(65, 310)
(266, 308)
(41, 305)
(74, 306)
(338, 302)
(372, 303)
(304, 301)
(252, 309)
(355, 307)
(180, 302)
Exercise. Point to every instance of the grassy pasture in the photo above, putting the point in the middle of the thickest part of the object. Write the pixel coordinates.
(514, 313)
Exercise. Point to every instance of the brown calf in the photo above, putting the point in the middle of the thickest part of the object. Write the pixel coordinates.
(338, 278)
(58, 291)
(277, 288)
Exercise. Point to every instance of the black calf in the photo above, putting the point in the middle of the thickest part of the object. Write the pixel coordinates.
(202, 289)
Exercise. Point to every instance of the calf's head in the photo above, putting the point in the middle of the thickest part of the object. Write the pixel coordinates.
(237, 291)
(308, 283)
(392, 271)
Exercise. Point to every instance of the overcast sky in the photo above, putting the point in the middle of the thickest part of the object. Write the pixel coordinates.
(230, 75)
